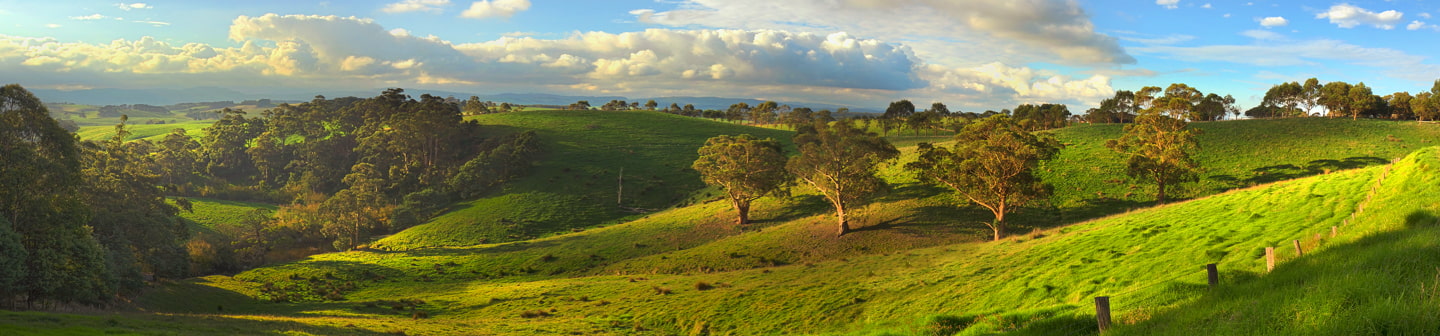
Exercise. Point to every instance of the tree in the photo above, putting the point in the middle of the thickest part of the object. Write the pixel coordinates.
(1286, 95)
(1159, 147)
(991, 165)
(1178, 101)
(900, 109)
(139, 230)
(745, 167)
(1423, 104)
(358, 211)
(1362, 101)
(1310, 94)
(763, 113)
(840, 161)
(1399, 103)
(177, 157)
(940, 108)
(650, 105)
(40, 195)
(1335, 96)
(1213, 107)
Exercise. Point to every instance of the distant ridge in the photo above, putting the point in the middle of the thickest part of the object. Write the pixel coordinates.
(202, 94)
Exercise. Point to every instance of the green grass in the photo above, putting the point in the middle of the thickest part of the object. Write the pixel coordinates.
(210, 213)
(1089, 179)
(575, 182)
(789, 276)
(153, 132)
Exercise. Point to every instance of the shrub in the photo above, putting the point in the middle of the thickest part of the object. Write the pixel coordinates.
(703, 286)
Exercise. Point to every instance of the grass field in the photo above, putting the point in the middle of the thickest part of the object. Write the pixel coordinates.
(607, 280)
(575, 183)
(153, 132)
(209, 213)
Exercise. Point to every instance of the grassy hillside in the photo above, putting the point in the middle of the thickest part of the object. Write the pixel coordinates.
(209, 213)
(607, 280)
(153, 132)
(1380, 278)
(575, 183)
(1089, 179)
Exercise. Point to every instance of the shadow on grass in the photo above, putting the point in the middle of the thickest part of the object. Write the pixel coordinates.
(1276, 173)
(151, 324)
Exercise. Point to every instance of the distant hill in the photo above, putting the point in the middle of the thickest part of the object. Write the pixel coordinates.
(199, 94)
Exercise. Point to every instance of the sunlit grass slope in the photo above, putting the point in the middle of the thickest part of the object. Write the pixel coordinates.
(576, 182)
(683, 271)
(1089, 179)
(208, 214)
(153, 132)
(1381, 277)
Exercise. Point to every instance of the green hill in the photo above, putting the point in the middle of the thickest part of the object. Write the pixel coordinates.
(576, 182)
(152, 132)
(597, 282)
(207, 213)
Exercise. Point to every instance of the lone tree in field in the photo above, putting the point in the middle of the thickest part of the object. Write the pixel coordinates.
(1159, 148)
(839, 160)
(990, 164)
(746, 167)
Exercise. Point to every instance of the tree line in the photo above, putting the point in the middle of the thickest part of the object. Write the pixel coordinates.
(83, 221)
(991, 162)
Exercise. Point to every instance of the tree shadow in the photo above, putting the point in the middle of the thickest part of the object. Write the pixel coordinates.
(1276, 173)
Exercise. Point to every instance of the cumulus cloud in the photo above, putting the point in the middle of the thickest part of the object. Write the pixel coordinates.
(130, 6)
(1170, 4)
(495, 8)
(302, 50)
(433, 6)
(1274, 21)
(1348, 16)
(957, 33)
(1418, 25)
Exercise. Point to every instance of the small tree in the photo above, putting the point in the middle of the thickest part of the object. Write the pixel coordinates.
(745, 167)
(991, 165)
(839, 160)
(1159, 148)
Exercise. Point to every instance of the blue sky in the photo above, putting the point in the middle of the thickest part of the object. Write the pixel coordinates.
(973, 55)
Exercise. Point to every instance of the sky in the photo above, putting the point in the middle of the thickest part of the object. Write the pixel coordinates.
(971, 55)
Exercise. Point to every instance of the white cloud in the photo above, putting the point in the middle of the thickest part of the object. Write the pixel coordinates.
(308, 51)
(1205, 6)
(952, 33)
(1348, 16)
(1424, 15)
(53, 26)
(1171, 39)
(1170, 4)
(88, 17)
(1418, 25)
(1274, 21)
(1227, 15)
(495, 8)
(433, 6)
(130, 6)
(154, 23)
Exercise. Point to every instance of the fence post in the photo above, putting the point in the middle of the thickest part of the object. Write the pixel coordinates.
(1298, 251)
(1269, 259)
(1102, 312)
(1213, 274)
(1334, 231)
(1318, 236)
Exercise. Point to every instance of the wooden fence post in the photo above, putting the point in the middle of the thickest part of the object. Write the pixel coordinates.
(1102, 312)
(1269, 259)
(1318, 236)
(1298, 251)
(1334, 231)
(1213, 274)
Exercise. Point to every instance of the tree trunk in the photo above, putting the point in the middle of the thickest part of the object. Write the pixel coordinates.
(844, 222)
(999, 225)
(1160, 195)
(742, 207)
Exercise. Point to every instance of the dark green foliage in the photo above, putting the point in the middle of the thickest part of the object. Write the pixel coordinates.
(12, 260)
(224, 144)
(746, 168)
(40, 196)
(508, 157)
(1041, 117)
(840, 161)
(139, 229)
(1160, 150)
(991, 164)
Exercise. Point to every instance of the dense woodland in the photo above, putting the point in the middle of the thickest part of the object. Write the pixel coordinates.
(87, 220)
